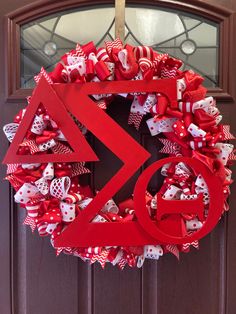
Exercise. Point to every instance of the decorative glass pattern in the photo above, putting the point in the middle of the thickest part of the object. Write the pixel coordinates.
(188, 37)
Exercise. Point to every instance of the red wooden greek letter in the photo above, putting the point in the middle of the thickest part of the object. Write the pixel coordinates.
(58, 99)
(162, 230)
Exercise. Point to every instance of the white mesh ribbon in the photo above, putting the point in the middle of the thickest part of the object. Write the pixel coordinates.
(59, 187)
(10, 130)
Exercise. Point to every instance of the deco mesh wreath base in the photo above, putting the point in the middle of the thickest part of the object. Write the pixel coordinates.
(49, 150)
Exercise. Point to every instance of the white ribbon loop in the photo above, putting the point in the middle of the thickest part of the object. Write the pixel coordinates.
(123, 58)
(150, 102)
(38, 125)
(48, 172)
(26, 193)
(30, 166)
(225, 151)
(110, 207)
(150, 252)
(163, 125)
(59, 187)
(10, 130)
(42, 185)
(93, 58)
(67, 211)
(165, 168)
(193, 224)
(47, 145)
(173, 192)
(153, 251)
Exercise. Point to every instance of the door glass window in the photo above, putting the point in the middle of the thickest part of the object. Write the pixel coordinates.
(190, 38)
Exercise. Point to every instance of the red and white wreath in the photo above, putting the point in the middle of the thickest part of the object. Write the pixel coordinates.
(51, 192)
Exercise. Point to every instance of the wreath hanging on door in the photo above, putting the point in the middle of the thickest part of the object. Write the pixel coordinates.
(51, 193)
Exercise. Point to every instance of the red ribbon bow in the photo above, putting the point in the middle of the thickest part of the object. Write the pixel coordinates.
(46, 136)
(130, 73)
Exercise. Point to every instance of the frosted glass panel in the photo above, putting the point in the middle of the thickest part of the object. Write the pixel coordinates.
(85, 26)
(151, 26)
(191, 38)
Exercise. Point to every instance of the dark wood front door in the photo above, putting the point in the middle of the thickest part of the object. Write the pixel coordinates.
(33, 280)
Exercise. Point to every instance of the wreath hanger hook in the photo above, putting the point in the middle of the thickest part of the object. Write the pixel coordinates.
(120, 19)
